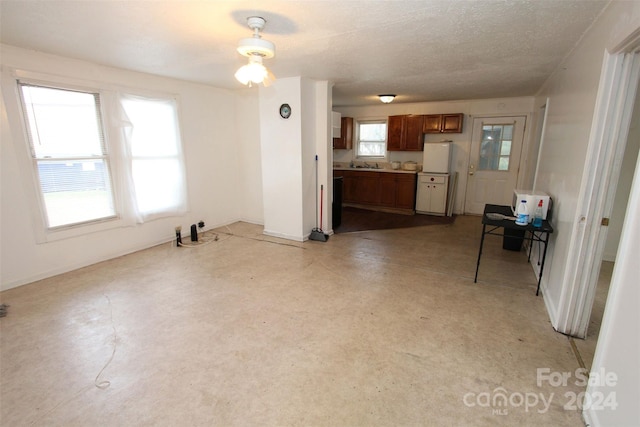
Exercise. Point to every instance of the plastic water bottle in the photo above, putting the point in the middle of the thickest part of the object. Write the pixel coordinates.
(537, 215)
(523, 214)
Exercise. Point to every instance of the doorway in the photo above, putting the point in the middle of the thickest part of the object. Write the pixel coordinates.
(619, 81)
(627, 168)
(494, 161)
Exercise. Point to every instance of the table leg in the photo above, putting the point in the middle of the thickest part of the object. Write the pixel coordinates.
(475, 280)
(544, 256)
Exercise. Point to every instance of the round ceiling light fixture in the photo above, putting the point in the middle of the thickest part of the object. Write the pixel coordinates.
(386, 98)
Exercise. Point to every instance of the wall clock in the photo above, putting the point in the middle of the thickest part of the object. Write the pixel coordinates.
(285, 111)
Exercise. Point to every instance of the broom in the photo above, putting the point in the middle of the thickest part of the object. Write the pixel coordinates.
(317, 233)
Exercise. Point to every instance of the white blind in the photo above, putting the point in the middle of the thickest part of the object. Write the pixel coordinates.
(69, 154)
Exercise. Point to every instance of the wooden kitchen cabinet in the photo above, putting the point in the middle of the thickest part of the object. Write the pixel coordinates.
(345, 142)
(387, 190)
(405, 191)
(395, 126)
(404, 132)
(367, 188)
(443, 123)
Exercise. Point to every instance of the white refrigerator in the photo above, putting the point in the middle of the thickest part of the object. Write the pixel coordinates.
(436, 157)
(432, 191)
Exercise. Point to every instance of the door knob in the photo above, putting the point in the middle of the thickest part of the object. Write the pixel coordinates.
(471, 169)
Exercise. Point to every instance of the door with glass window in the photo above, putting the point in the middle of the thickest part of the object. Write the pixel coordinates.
(496, 144)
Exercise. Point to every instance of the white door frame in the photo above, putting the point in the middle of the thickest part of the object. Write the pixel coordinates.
(610, 126)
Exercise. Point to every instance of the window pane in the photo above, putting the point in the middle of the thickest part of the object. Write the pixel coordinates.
(495, 147)
(373, 132)
(157, 168)
(372, 139)
(155, 183)
(62, 123)
(154, 127)
(371, 149)
(504, 164)
(505, 149)
(75, 192)
(507, 132)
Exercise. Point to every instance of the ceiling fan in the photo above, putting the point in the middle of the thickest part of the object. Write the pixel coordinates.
(256, 49)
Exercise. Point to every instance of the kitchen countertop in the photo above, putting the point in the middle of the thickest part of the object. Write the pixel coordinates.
(373, 170)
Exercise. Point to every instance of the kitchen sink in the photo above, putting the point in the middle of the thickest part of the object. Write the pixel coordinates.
(367, 167)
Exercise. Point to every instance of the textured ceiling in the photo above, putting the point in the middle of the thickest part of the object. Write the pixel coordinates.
(426, 50)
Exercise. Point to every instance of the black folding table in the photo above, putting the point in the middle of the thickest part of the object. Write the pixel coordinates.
(531, 233)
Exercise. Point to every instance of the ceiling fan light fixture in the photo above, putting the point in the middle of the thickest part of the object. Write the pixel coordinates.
(255, 48)
(253, 72)
(386, 98)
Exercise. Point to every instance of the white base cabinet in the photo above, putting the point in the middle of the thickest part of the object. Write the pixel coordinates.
(431, 193)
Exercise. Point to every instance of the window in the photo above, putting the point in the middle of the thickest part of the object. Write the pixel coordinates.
(495, 148)
(372, 138)
(156, 166)
(69, 154)
(76, 165)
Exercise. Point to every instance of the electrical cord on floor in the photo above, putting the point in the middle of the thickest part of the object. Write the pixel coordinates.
(106, 383)
(99, 384)
(202, 241)
(261, 239)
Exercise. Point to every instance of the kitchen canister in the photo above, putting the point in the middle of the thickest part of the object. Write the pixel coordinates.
(395, 165)
(410, 166)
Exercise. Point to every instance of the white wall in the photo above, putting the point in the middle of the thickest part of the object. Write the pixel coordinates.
(288, 150)
(249, 156)
(324, 148)
(209, 134)
(281, 148)
(462, 141)
(572, 92)
(309, 152)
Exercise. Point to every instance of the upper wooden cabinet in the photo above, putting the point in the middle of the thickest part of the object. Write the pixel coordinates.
(345, 142)
(404, 133)
(443, 123)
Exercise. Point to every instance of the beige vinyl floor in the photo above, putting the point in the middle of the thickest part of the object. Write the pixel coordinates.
(380, 328)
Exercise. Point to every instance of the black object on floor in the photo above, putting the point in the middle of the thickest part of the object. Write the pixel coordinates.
(354, 219)
(512, 240)
(337, 201)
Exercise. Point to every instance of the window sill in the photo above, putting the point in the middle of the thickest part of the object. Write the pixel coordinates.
(62, 233)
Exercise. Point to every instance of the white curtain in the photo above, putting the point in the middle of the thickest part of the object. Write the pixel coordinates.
(153, 173)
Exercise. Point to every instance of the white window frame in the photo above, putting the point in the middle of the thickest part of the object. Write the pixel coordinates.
(109, 96)
(104, 156)
(358, 140)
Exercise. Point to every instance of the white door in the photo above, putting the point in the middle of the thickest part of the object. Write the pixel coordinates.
(496, 144)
